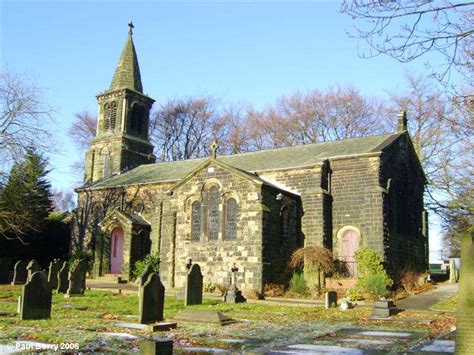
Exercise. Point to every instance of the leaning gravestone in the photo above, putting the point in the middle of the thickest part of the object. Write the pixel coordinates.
(331, 299)
(32, 267)
(152, 300)
(36, 297)
(77, 280)
(193, 287)
(54, 267)
(5, 265)
(465, 323)
(20, 273)
(63, 278)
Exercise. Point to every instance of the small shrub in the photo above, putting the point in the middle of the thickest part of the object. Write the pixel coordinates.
(375, 285)
(80, 255)
(409, 279)
(254, 295)
(140, 265)
(298, 284)
(209, 287)
(317, 261)
(221, 288)
(354, 294)
(274, 290)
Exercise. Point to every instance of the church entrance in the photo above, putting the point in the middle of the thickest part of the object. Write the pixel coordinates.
(116, 251)
(350, 242)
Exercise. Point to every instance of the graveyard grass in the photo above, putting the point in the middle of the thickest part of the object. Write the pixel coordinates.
(85, 319)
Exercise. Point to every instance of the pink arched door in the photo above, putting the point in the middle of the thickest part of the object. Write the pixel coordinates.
(349, 244)
(116, 251)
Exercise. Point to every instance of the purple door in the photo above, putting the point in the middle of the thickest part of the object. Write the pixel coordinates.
(349, 245)
(116, 251)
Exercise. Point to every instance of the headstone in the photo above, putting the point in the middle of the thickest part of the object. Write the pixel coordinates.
(193, 287)
(204, 316)
(63, 278)
(5, 266)
(152, 299)
(384, 309)
(233, 294)
(144, 276)
(465, 322)
(36, 297)
(182, 292)
(77, 280)
(453, 271)
(156, 347)
(20, 273)
(54, 267)
(331, 299)
(32, 267)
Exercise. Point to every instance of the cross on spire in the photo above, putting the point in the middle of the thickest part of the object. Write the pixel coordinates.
(214, 147)
(130, 24)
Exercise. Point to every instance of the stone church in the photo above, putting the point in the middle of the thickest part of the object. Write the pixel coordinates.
(251, 209)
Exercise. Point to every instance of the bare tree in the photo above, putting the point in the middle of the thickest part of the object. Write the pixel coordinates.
(23, 119)
(82, 130)
(63, 200)
(406, 30)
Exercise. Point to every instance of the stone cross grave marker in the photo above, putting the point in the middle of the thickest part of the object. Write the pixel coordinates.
(32, 267)
(77, 280)
(63, 278)
(152, 300)
(193, 286)
(233, 294)
(331, 299)
(36, 297)
(465, 323)
(5, 265)
(20, 273)
(53, 271)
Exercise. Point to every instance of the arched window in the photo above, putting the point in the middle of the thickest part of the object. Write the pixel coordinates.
(113, 115)
(285, 221)
(136, 124)
(213, 213)
(107, 114)
(196, 221)
(230, 219)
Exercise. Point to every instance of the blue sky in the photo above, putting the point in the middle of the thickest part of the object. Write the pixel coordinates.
(236, 51)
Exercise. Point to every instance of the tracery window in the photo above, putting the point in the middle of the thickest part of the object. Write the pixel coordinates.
(230, 219)
(107, 114)
(213, 213)
(113, 115)
(196, 221)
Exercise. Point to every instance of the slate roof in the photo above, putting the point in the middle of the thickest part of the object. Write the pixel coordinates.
(271, 159)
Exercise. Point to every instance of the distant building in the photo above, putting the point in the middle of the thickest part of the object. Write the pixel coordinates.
(251, 209)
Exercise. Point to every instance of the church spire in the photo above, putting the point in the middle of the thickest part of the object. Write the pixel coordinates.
(127, 74)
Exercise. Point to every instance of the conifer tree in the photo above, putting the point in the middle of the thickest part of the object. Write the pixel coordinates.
(25, 200)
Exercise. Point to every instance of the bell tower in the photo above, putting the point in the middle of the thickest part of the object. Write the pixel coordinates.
(121, 140)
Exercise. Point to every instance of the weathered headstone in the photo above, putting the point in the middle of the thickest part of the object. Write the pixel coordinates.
(152, 300)
(193, 286)
(156, 347)
(465, 323)
(144, 276)
(331, 299)
(36, 297)
(233, 294)
(54, 267)
(63, 278)
(20, 273)
(5, 266)
(182, 292)
(77, 280)
(32, 267)
(384, 309)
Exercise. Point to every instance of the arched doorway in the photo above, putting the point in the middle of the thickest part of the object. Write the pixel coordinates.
(349, 242)
(116, 251)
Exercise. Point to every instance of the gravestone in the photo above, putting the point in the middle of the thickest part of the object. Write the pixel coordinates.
(36, 297)
(54, 267)
(453, 272)
(20, 273)
(77, 280)
(144, 276)
(32, 267)
(203, 316)
(384, 309)
(233, 294)
(182, 292)
(152, 299)
(5, 266)
(193, 286)
(156, 347)
(465, 323)
(331, 299)
(63, 278)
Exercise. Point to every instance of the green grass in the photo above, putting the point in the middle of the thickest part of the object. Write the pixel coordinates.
(449, 305)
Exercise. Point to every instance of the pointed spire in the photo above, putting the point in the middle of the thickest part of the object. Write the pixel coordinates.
(127, 74)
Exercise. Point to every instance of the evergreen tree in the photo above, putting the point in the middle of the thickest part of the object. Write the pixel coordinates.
(25, 200)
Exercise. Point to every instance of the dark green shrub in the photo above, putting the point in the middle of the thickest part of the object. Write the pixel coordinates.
(298, 284)
(140, 265)
(375, 285)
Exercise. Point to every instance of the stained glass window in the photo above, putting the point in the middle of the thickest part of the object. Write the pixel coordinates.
(213, 213)
(231, 219)
(196, 221)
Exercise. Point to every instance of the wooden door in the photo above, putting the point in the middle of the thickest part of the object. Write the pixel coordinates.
(116, 251)
(349, 244)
